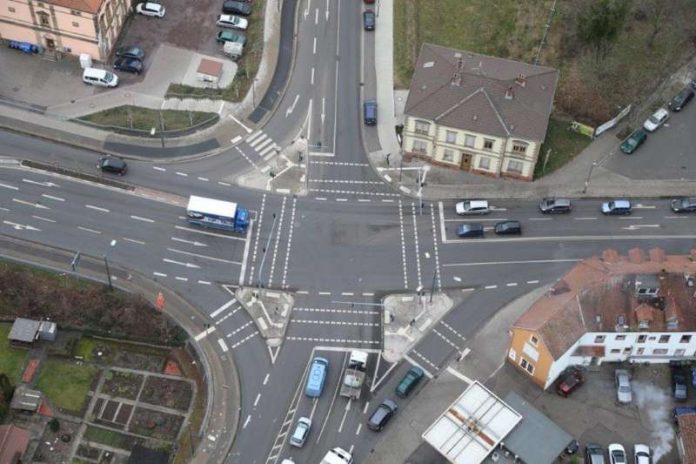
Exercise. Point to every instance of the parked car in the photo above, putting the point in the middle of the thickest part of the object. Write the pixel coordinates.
(635, 140)
(692, 370)
(130, 51)
(555, 206)
(572, 447)
(409, 381)
(232, 21)
(237, 8)
(679, 387)
(657, 119)
(369, 20)
(467, 207)
(623, 386)
(508, 228)
(230, 36)
(381, 416)
(616, 207)
(470, 230)
(131, 65)
(370, 112)
(594, 454)
(570, 380)
(684, 205)
(299, 436)
(617, 454)
(681, 99)
(641, 454)
(112, 165)
(151, 9)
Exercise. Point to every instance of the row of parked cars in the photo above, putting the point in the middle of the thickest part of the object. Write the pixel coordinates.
(594, 454)
(658, 118)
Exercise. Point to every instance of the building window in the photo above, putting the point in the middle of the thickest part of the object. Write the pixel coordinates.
(627, 350)
(641, 338)
(470, 141)
(512, 354)
(484, 163)
(526, 365)
(419, 146)
(75, 13)
(11, 9)
(519, 147)
(685, 339)
(664, 339)
(487, 144)
(680, 352)
(620, 338)
(533, 340)
(615, 350)
(75, 24)
(640, 351)
(448, 155)
(43, 19)
(422, 127)
(599, 339)
(515, 166)
(450, 137)
(660, 351)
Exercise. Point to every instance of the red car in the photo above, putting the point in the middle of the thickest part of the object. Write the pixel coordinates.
(369, 1)
(571, 380)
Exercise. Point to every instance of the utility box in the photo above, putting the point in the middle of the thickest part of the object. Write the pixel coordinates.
(85, 60)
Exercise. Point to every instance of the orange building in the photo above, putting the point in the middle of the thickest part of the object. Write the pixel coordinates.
(635, 308)
(65, 26)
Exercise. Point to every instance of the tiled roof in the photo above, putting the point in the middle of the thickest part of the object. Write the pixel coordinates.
(598, 295)
(687, 435)
(468, 91)
(89, 6)
(13, 443)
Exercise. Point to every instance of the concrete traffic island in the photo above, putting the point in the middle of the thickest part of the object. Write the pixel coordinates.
(282, 171)
(270, 311)
(408, 317)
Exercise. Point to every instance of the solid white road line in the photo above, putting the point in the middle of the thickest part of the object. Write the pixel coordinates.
(157, 168)
(27, 203)
(223, 345)
(189, 265)
(196, 255)
(97, 208)
(212, 234)
(51, 197)
(222, 308)
(11, 187)
(197, 244)
(138, 218)
(459, 375)
(43, 219)
(495, 263)
(159, 274)
(89, 230)
(132, 240)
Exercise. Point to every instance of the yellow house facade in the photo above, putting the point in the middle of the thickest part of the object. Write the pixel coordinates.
(69, 27)
(477, 113)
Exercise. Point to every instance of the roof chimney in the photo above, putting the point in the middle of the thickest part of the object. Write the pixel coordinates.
(521, 80)
(508, 93)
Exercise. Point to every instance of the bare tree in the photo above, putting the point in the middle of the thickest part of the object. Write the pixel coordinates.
(657, 14)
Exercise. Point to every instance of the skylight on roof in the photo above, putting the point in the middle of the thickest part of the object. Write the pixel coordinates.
(429, 64)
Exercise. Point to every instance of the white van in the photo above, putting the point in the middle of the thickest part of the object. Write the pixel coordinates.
(99, 77)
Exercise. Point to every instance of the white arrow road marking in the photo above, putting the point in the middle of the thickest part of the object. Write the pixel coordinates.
(35, 205)
(641, 226)
(51, 197)
(289, 111)
(21, 226)
(43, 184)
(198, 244)
(171, 261)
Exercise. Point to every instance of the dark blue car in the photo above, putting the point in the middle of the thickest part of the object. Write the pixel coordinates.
(130, 65)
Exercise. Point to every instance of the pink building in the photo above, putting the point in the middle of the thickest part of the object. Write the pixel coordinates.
(65, 26)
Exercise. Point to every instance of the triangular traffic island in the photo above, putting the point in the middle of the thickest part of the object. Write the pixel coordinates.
(408, 317)
(269, 309)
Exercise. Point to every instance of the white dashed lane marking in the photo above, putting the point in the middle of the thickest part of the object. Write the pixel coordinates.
(333, 340)
(287, 251)
(432, 364)
(352, 192)
(358, 324)
(337, 311)
(403, 245)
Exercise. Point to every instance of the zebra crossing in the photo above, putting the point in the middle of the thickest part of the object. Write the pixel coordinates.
(263, 145)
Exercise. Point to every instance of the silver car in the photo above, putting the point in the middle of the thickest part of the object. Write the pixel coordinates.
(299, 436)
(623, 386)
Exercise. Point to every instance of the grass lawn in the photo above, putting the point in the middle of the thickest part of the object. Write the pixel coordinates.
(11, 359)
(145, 119)
(66, 384)
(564, 144)
(107, 437)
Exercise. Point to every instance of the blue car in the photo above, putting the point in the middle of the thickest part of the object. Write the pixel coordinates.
(316, 377)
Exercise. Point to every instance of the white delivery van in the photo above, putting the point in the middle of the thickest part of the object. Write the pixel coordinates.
(99, 77)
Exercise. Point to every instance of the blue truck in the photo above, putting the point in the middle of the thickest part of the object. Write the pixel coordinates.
(217, 214)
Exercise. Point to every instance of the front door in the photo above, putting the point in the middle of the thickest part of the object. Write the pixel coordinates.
(50, 44)
(466, 162)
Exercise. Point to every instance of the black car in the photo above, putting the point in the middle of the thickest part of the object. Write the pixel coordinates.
(594, 454)
(130, 65)
(681, 99)
(130, 51)
(370, 112)
(683, 205)
(235, 7)
(555, 206)
(112, 165)
(369, 20)
(508, 228)
(381, 416)
(470, 230)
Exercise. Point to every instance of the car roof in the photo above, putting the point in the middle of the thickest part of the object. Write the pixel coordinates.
(471, 226)
(621, 203)
(559, 201)
(477, 203)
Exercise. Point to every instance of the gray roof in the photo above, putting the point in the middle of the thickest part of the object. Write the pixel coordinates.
(25, 399)
(467, 91)
(526, 440)
(24, 330)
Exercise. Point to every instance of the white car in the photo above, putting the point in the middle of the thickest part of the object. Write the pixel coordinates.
(299, 436)
(467, 207)
(623, 386)
(233, 22)
(656, 120)
(150, 9)
(641, 453)
(617, 454)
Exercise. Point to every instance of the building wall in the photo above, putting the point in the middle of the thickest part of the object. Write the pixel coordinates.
(525, 351)
(70, 31)
(489, 155)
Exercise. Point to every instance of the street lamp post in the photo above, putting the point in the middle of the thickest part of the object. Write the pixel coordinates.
(263, 258)
(106, 263)
(589, 174)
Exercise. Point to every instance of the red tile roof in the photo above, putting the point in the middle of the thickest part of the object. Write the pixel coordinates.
(89, 6)
(210, 67)
(13, 443)
(687, 436)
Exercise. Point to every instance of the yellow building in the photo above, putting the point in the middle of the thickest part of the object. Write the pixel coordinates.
(477, 113)
(65, 26)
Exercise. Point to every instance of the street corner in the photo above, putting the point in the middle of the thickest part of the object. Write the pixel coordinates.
(270, 311)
